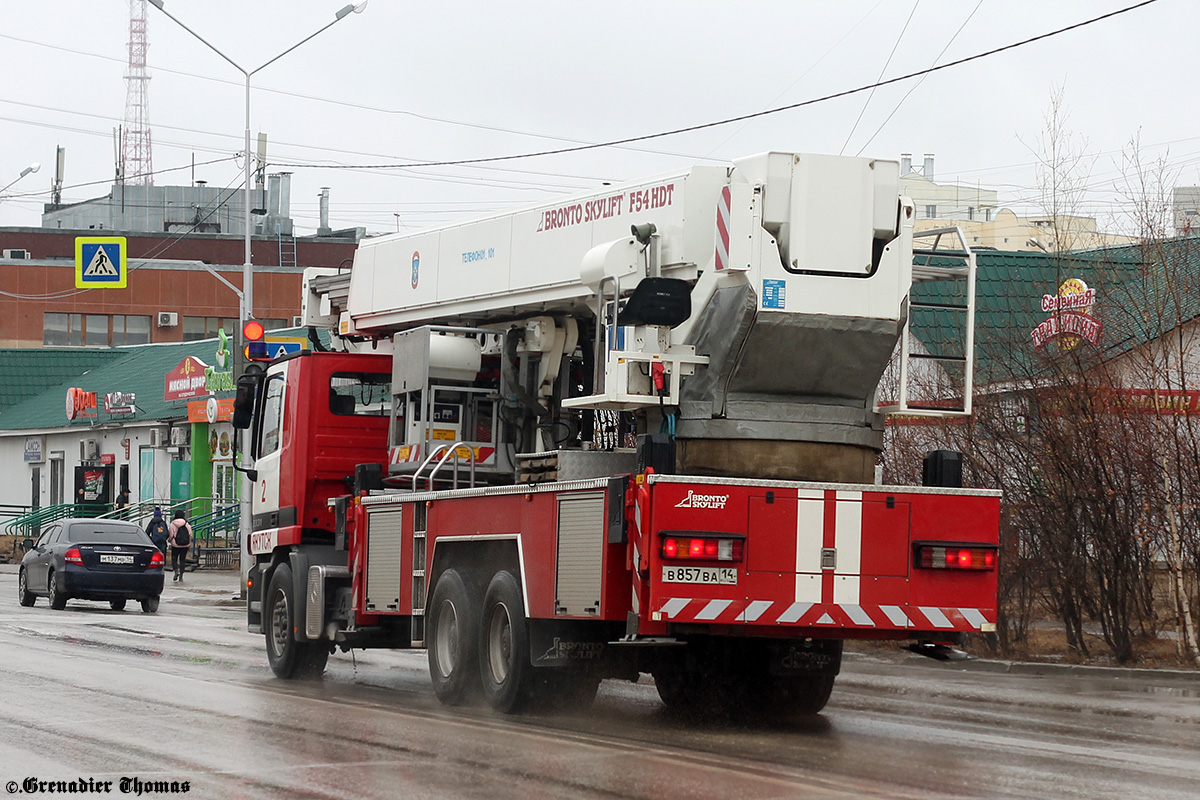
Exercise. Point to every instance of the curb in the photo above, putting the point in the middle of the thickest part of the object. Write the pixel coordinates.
(999, 666)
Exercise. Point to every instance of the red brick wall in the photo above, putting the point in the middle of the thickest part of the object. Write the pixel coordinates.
(189, 292)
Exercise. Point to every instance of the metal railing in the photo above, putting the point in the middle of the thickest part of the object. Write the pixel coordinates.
(219, 524)
(447, 452)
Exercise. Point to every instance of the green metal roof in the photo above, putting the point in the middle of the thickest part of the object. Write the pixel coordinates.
(1142, 291)
(140, 369)
(26, 372)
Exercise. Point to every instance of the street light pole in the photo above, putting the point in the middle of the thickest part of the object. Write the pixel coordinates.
(246, 309)
(246, 304)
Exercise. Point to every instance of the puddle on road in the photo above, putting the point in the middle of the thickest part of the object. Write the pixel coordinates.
(1170, 691)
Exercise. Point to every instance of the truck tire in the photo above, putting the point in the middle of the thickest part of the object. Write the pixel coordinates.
(287, 657)
(26, 597)
(58, 600)
(801, 696)
(453, 640)
(505, 671)
(672, 688)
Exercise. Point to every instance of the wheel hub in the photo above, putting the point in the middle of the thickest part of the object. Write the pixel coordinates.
(500, 644)
(279, 623)
(447, 639)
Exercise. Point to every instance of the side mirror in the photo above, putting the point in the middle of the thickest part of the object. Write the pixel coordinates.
(247, 392)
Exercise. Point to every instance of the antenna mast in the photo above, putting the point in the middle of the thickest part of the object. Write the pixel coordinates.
(137, 165)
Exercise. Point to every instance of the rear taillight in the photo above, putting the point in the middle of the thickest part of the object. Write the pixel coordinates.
(157, 561)
(954, 555)
(693, 547)
(73, 556)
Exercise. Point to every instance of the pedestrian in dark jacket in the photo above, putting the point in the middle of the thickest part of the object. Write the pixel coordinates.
(156, 529)
(179, 536)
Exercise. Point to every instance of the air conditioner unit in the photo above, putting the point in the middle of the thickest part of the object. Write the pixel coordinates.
(179, 437)
(17, 254)
(89, 450)
(168, 319)
(158, 437)
(297, 322)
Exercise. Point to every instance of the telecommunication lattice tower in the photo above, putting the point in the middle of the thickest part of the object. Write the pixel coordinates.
(137, 164)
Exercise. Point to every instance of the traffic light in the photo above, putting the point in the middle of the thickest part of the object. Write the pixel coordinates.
(253, 334)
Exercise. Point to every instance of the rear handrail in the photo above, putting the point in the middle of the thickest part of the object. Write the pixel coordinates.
(432, 455)
(452, 450)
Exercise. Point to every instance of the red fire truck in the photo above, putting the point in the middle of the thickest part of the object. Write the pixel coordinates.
(630, 432)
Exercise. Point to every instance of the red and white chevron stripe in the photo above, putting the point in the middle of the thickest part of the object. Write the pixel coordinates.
(723, 229)
(815, 615)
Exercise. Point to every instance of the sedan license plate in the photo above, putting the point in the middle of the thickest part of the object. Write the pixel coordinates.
(724, 576)
(112, 558)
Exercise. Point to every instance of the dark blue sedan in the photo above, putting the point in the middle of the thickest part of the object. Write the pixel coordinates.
(92, 559)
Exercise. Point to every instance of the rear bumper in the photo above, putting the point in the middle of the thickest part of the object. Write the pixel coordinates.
(88, 585)
(849, 621)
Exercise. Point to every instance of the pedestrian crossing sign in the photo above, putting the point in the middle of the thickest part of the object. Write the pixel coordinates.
(100, 262)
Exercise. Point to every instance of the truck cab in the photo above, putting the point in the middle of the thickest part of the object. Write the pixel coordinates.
(316, 416)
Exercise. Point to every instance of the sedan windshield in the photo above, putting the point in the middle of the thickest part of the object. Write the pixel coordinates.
(106, 534)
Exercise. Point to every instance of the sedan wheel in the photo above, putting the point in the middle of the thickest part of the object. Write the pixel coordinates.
(26, 597)
(150, 604)
(117, 605)
(58, 600)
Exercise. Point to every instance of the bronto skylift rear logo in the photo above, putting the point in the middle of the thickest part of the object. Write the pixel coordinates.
(693, 500)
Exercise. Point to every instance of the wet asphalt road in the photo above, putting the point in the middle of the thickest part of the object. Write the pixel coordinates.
(186, 695)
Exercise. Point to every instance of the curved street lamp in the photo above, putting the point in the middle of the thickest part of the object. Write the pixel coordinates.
(34, 167)
(246, 297)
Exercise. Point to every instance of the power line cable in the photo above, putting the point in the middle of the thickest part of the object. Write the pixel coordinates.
(348, 104)
(706, 125)
(211, 149)
(802, 75)
(917, 85)
(109, 181)
(882, 70)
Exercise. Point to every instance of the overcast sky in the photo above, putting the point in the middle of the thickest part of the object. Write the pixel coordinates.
(406, 81)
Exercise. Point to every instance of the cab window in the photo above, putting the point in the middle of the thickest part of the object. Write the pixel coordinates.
(360, 394)
(272, 415)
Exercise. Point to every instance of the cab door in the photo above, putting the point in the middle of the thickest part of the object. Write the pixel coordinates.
(265, 500)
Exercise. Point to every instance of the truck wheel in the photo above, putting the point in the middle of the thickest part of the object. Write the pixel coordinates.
(58, 600)
(453, 640)
(26, 597)
(287, 657)
(504, 664)
(802, 696)
(672, 689)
